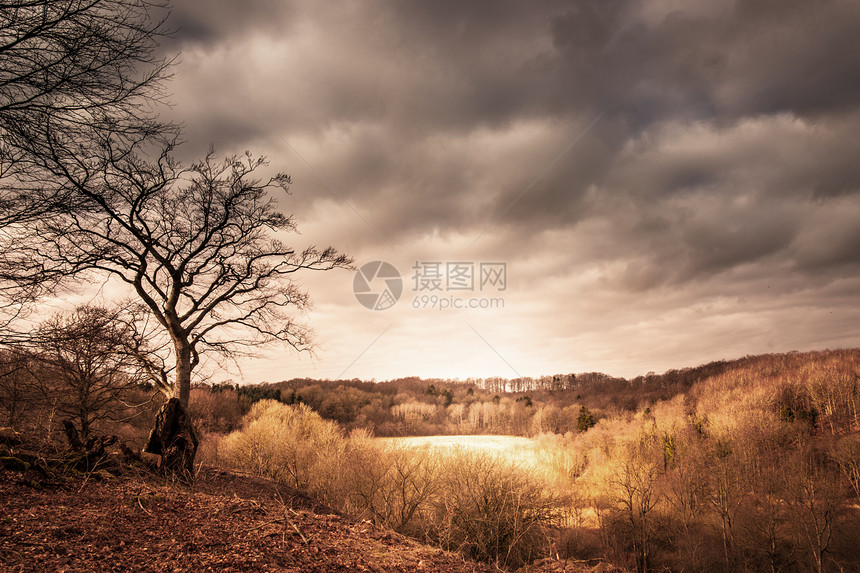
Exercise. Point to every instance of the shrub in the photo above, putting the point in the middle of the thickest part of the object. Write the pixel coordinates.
(490, 510)
(560, 460)
(388, 483)
(466, 501)
(287, 443)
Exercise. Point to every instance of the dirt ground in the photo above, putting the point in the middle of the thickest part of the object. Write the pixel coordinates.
(224, 522)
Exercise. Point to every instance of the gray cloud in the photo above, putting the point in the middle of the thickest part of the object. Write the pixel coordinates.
(212, 22)
(724, 161)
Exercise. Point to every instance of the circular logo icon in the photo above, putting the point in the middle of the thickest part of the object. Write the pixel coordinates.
(377, 285)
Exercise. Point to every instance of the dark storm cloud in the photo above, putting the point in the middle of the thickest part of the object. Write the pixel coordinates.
(747, 57)
(487, 63)
(727, 134)
(460, 65)
(212, 21)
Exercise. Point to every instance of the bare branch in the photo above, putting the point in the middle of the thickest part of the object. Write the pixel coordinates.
(198, 244)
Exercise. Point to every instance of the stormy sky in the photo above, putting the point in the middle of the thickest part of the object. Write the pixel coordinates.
(667, 182)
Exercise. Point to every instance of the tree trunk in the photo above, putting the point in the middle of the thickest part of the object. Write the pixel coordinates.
(72, 435)
(85, 424)
(182, 390)
(174, 439)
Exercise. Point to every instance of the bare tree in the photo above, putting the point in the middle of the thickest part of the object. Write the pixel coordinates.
(728, 487)
(89, 186)
(815, 497)
(69, 65)
(200, 248)
(89, 371)
(846, 453)
(72, 73)
(20, 392)
(634, 489)
(686, 494)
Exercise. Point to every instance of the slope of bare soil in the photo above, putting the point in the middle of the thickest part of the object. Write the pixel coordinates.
(70, 521)
(225, 522)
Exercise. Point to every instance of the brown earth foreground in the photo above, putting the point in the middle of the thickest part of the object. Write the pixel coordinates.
(224, 522)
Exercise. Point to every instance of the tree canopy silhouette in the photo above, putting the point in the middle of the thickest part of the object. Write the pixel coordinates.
(73, 74)
(201, 246)
(69, 68)
(90, 187)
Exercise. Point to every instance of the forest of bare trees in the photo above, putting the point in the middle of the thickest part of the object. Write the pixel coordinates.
(747, 465)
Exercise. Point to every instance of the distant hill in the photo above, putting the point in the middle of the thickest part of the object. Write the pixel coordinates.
(416, 406)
